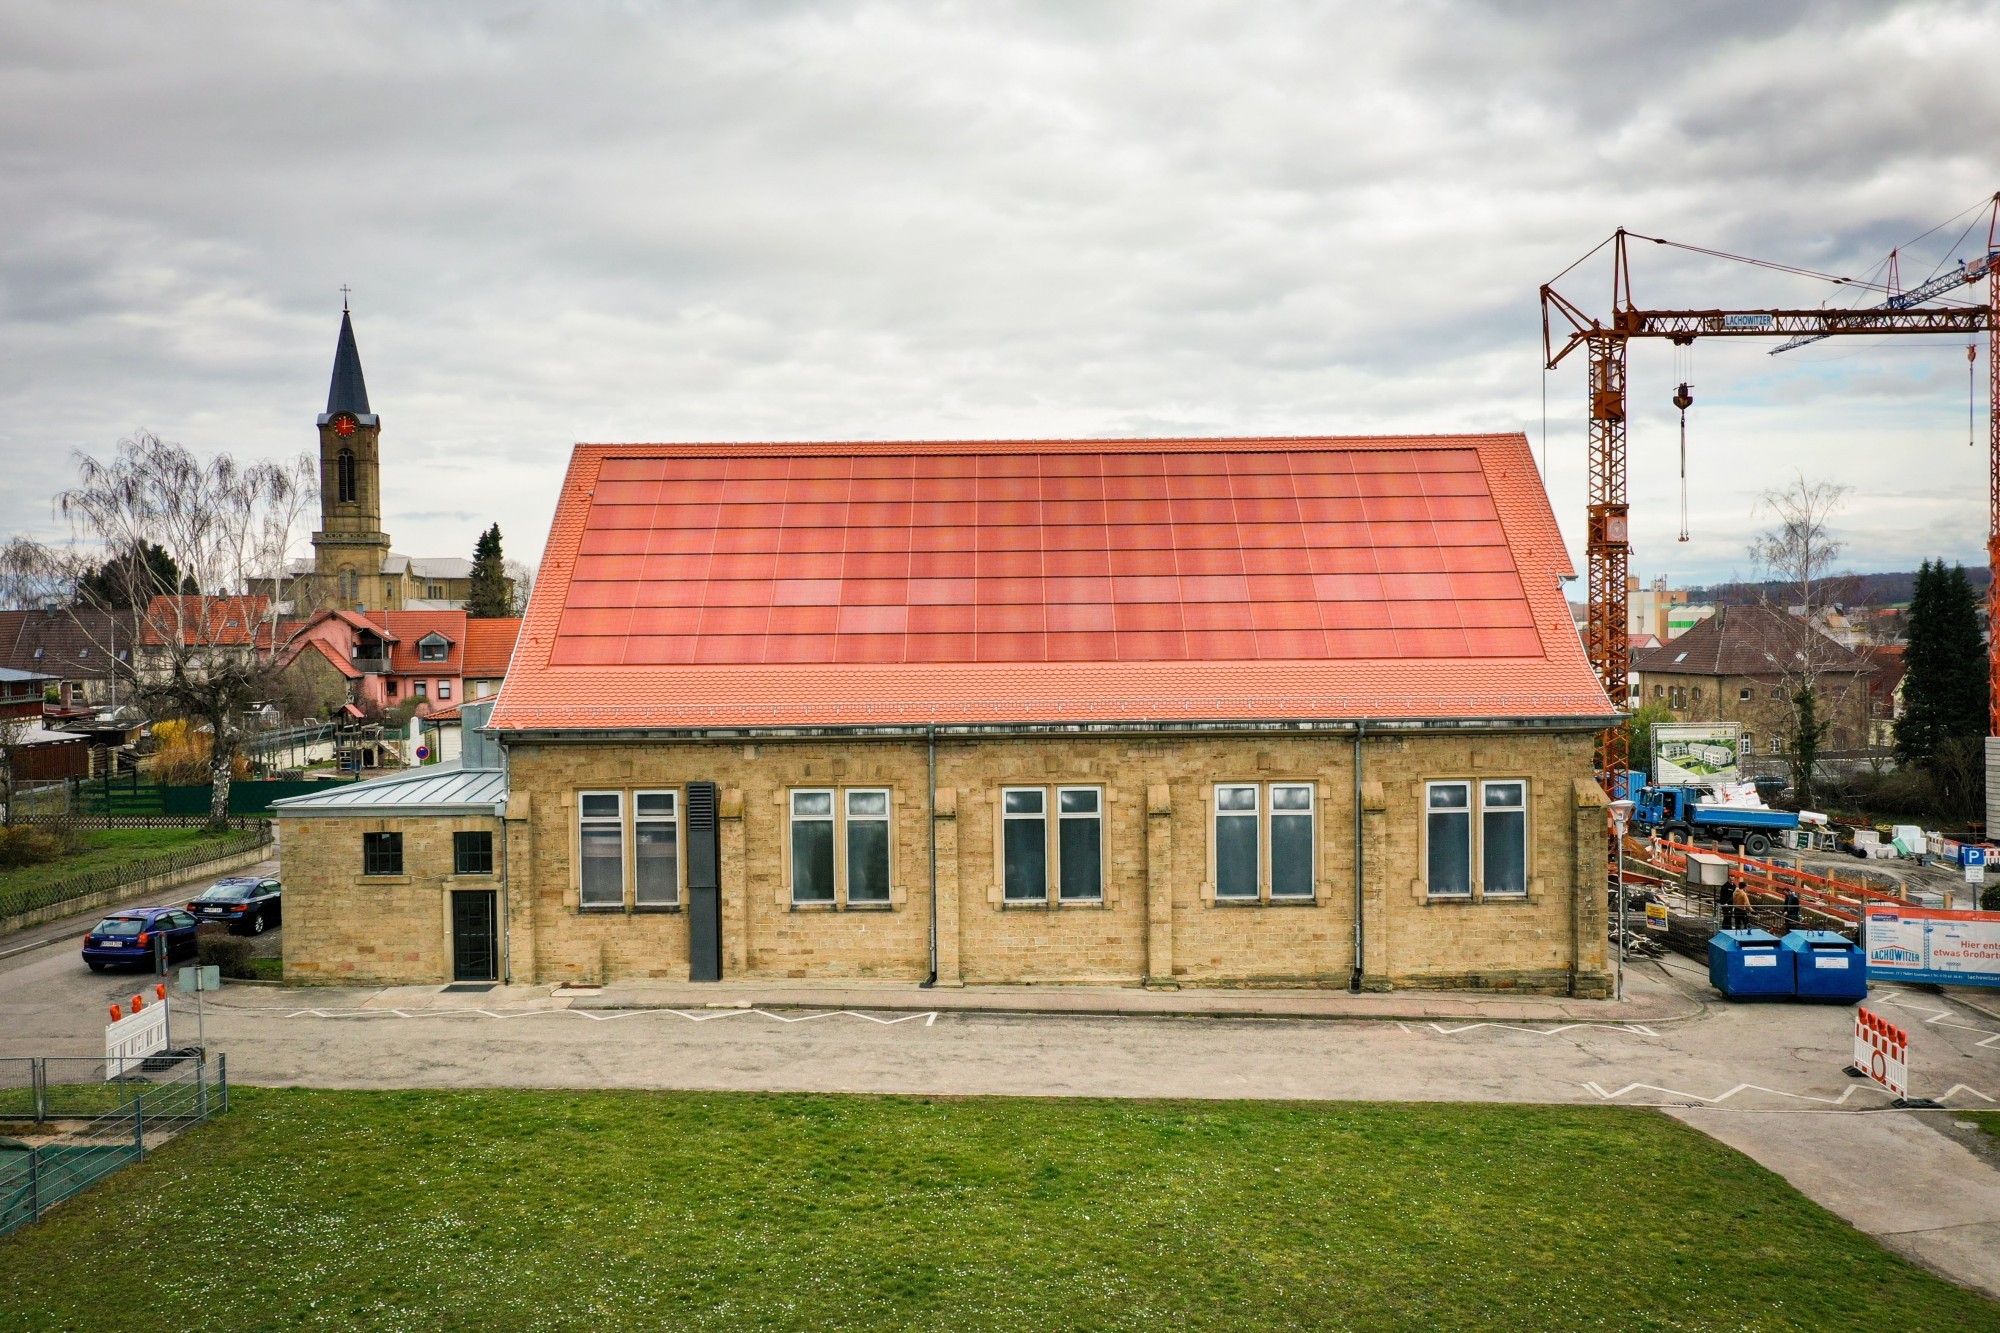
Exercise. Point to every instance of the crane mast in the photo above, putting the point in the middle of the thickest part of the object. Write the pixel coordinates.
(1607, 342)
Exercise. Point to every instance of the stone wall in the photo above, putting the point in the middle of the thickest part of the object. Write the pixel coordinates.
(1159, 922)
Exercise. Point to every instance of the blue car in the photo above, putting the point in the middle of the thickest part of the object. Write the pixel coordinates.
(130, 937)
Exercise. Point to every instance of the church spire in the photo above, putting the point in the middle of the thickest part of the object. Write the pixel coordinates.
(348, 392)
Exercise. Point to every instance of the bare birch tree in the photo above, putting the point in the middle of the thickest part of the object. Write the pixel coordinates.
(207, 655)
(1799, 554)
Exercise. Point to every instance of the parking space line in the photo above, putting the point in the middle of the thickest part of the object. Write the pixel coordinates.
(1717, 1100)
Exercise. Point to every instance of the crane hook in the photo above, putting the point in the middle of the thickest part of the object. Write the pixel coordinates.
(1684, 399)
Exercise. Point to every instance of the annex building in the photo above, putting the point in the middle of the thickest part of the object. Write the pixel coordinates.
(1166, 712)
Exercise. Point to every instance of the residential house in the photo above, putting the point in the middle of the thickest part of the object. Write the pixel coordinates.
(87, 651)
(1162, 712)
(1744, 663)
(201, 631)
(436, 659)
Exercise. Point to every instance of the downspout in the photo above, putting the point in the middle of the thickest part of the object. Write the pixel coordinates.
(930, 809)
(506, 917)
(1360, 937)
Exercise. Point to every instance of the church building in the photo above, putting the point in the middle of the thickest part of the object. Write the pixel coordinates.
(352, 567)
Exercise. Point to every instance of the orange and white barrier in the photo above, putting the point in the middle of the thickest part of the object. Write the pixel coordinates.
(1882, 1052)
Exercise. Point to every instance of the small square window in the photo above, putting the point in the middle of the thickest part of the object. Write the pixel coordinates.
(381, 853)
(1743, 695)
(444, 689)
(422, 688)
(472, 853)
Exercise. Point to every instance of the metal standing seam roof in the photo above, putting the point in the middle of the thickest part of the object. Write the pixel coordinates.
(439, 790)
(1049, 580)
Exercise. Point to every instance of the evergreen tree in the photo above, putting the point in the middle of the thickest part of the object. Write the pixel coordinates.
(131, 578)
(1944, 679)
(491, 595)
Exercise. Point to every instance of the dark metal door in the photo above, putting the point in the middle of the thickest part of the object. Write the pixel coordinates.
(704, 884)
(473, 952)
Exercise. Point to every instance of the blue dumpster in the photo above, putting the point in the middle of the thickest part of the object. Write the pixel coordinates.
(1748, 965)
(1826, 966)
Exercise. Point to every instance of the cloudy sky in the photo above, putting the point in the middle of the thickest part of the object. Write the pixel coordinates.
(639, 221)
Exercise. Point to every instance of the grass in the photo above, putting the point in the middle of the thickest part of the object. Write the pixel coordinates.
(106, 848)
(543, 1210)
(267, 969)
(1986, 1120)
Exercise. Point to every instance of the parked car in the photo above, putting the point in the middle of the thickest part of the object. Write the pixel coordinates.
(130, 937)
(247, 904)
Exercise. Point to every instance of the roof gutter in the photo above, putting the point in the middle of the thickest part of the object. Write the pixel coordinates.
(892, 730)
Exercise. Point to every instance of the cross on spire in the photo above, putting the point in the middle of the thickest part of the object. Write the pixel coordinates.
(343, 298)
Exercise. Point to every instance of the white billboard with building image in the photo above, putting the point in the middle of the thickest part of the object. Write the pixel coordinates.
(1688, 754)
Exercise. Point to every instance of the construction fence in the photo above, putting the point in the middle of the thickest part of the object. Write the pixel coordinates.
(64, 1126)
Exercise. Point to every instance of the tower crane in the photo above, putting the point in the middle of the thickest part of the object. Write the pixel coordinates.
(1606, 343)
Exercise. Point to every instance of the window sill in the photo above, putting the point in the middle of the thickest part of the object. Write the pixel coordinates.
(655, 909)
(601, 909)
(1450, 900)
(814, 907)
(384, 879)
(868, 907)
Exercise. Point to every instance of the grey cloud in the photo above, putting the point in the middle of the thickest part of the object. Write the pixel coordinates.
(682, 221)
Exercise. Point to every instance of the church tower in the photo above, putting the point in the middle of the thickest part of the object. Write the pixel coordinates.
(350, 549)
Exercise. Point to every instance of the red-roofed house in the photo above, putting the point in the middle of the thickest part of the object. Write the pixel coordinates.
(437, 658)
(1174, 712)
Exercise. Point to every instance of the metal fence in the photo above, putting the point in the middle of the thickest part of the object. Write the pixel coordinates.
(75, 1127)
(49, 893)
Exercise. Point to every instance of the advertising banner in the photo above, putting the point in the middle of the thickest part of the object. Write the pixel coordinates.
(1944, 948)
(1695, 753)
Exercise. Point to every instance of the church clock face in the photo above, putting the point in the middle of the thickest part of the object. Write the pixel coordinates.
(344, 424)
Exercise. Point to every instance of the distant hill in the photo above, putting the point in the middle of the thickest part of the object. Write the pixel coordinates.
(1852, 589)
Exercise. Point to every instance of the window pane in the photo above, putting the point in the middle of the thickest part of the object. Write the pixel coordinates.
(1504, 837)
(1024, 802)
(811, 803)
(382, 854)
(1450, 796)
(868, 861)
(1081, 859)
(1027, 856)
(656, 849)
(867, 804)
(1236, 855)
(812, 857)
(1080, 802)
(600, 806)
(1236, 798)
(1450, 869)
(654, 803)
(1296, 797)
(1291, 853)
(603, 873)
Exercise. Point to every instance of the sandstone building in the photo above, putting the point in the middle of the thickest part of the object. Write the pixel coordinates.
(1162, 712)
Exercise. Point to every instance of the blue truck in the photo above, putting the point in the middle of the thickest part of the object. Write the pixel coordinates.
(1687, 812)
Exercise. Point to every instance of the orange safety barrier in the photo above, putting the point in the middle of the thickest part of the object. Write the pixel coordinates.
(1762, 879)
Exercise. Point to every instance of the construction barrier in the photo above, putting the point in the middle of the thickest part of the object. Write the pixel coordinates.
(1882, 1052)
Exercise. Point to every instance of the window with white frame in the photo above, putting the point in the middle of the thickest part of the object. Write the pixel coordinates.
(1291, 840)
(1024, 843)
(433, 647)
(601, 849)
(656, 849)
(1236, 839)
(1503, 839)
(812, 846)
(1448, 833)
(867, 845)
(444, 689)
(1080, 844)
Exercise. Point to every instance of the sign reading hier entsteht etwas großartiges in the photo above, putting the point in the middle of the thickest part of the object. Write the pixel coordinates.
(1940, 947)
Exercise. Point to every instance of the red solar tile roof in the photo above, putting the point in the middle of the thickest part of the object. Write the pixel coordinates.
(772, 584)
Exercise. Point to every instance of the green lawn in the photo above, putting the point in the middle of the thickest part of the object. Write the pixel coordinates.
(533, 1210)
(108, 847)
(1986, 1120)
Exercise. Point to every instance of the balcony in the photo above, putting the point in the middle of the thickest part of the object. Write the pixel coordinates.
(372, 666)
